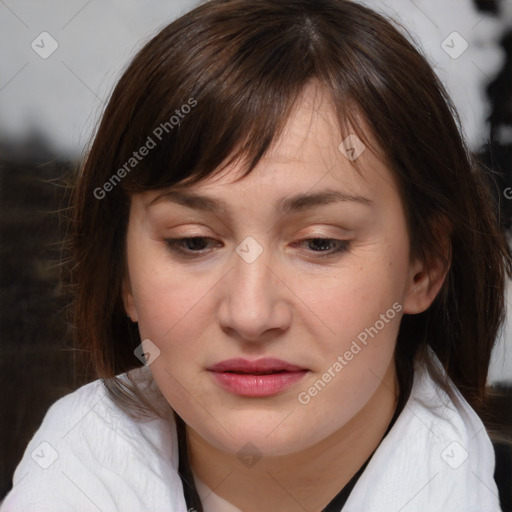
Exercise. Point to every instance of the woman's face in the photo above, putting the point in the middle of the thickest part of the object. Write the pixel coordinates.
(294, 262)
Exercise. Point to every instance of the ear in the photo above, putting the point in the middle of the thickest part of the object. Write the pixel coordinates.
(128, 301)
(426, 276)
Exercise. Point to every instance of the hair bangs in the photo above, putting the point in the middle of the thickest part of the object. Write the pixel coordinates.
(241, 101)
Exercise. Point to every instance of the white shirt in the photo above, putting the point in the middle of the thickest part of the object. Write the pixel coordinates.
(88, 455)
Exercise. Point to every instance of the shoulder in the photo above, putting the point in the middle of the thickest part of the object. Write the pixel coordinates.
(89, 454)
(437, 456)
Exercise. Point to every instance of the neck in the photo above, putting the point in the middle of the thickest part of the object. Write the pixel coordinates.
(305, 480)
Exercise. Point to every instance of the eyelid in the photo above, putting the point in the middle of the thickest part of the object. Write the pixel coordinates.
(343, 246)
(173, 245)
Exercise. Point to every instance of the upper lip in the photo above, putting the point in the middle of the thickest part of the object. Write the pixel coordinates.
(263, 365)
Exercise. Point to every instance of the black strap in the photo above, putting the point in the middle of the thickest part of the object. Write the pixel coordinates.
(338, 502)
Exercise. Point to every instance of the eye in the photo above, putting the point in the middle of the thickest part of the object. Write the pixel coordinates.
(198, 245)
(188, 246)
(326, 246)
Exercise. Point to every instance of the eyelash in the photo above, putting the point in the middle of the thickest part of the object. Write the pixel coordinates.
(176, 245)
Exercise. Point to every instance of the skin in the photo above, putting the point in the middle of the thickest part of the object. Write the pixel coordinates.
(290, 303)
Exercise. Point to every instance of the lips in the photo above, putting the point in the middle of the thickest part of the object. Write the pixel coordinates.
(259, 378)
(258, 367)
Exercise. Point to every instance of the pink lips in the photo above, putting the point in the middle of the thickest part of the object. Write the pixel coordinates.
(262, 377)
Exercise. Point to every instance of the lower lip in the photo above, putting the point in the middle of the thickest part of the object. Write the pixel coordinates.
(257, 385)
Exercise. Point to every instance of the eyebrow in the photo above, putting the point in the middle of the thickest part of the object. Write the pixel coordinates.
(285, 205)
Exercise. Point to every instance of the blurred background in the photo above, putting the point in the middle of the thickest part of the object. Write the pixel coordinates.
(58, 63)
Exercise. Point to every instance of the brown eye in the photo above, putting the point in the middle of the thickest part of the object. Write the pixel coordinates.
(326, 246)
(188, 246)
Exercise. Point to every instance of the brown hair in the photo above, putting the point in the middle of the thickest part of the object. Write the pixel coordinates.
(240, 65)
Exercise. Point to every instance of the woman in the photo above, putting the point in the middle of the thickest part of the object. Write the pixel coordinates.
(279, 218)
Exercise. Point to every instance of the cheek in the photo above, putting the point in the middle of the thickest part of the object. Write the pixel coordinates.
(361, 310)
(356, 353)
(166, 295)
(360, 297)
(356, 358)
(174, 314)
(172, 310)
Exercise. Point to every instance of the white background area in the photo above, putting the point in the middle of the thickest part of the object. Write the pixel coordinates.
(63, 96)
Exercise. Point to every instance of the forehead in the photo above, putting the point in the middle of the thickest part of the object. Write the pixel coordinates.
(311, 135)
(312, 154)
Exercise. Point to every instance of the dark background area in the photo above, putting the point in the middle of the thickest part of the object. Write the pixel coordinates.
(38, 363)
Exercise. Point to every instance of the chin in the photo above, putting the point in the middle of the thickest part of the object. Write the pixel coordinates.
(263, 434)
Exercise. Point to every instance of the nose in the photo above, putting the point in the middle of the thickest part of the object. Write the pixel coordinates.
(254, 303)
